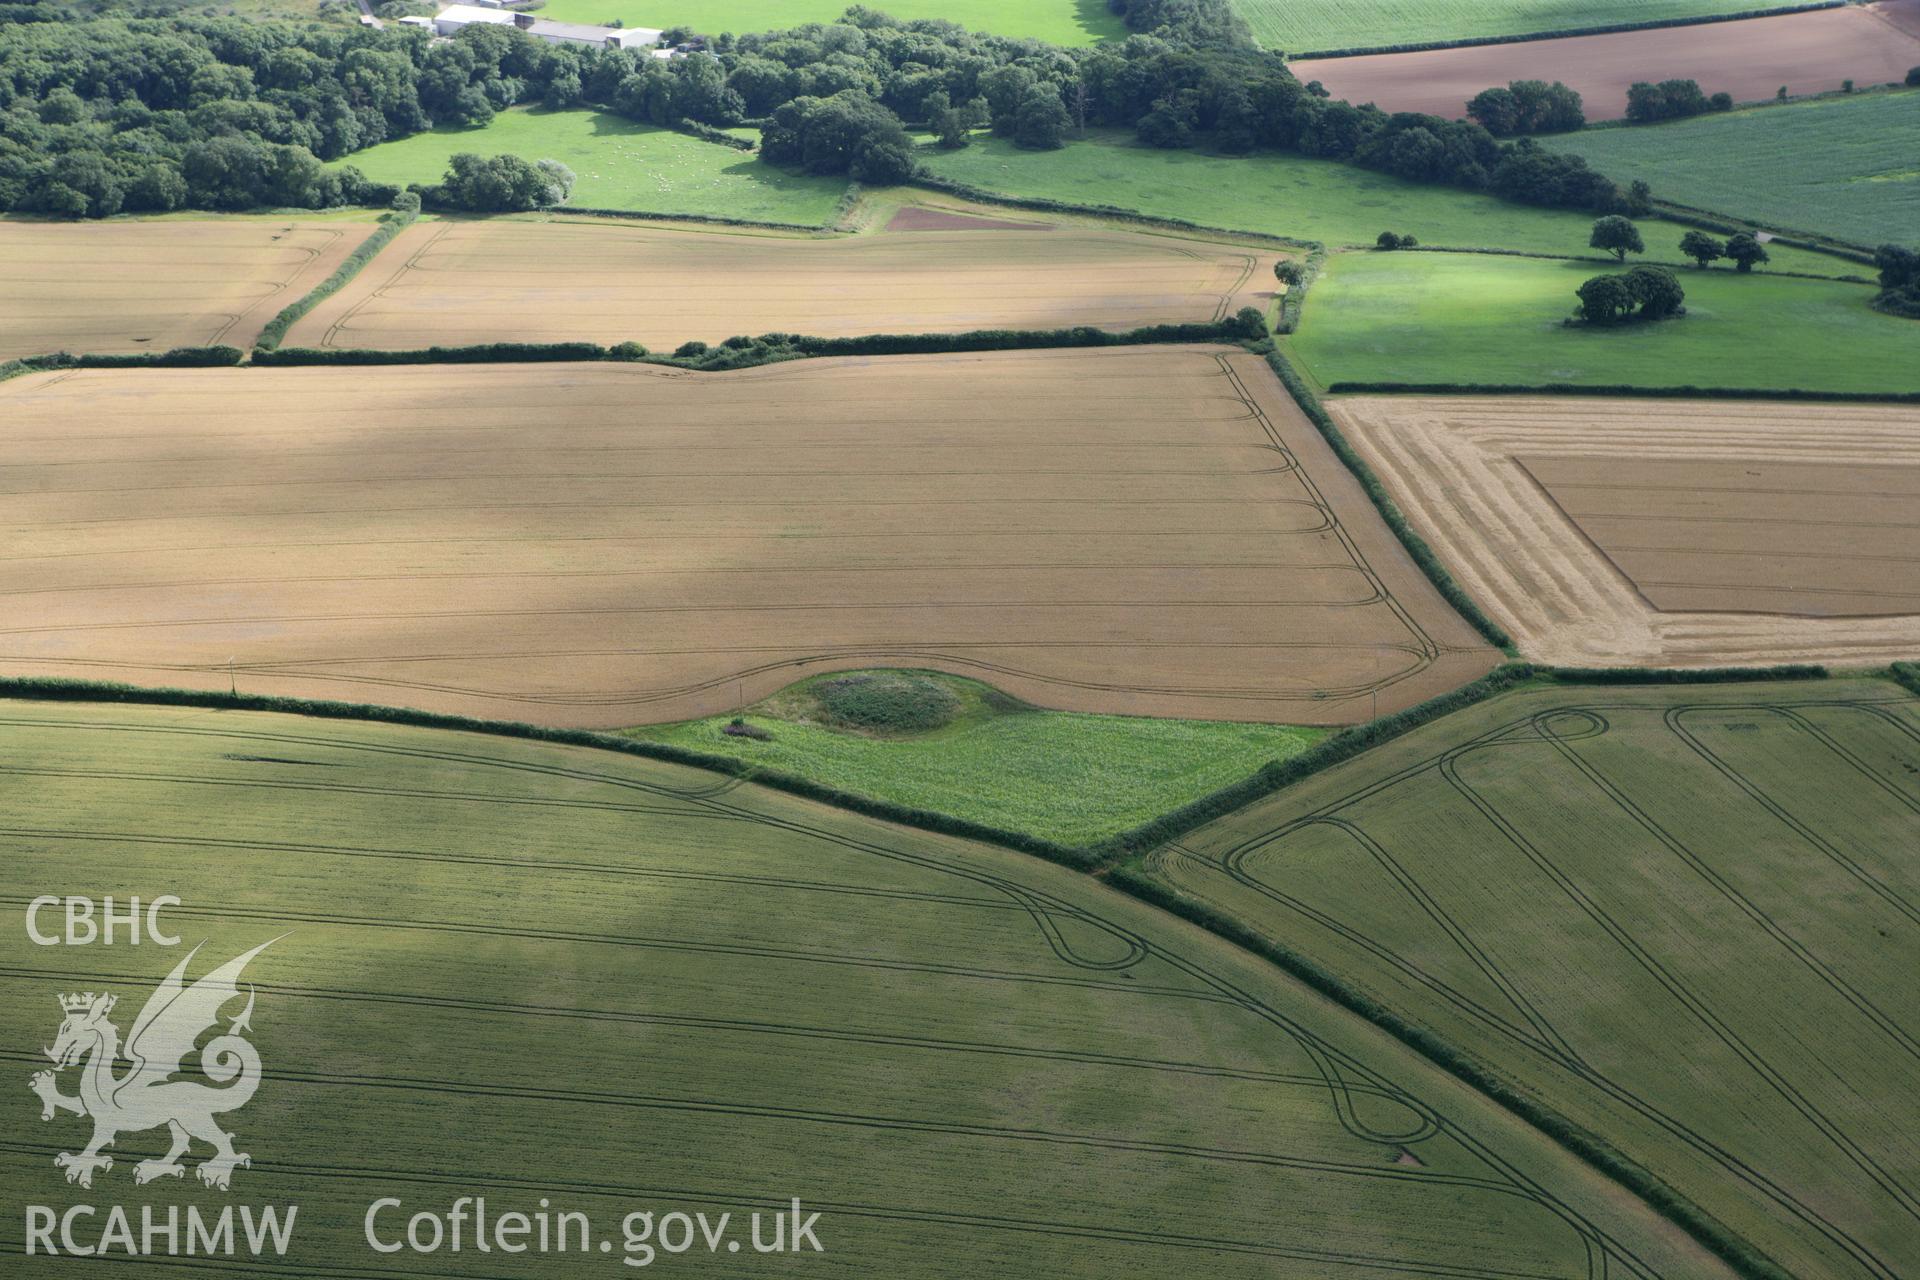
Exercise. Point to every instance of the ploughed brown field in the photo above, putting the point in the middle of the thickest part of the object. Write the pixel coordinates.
(112, 287)
(1673, 532)
(1144, 530)
(1750, 59)
(460, 282)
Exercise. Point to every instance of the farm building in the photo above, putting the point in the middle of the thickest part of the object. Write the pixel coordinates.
(455, 16)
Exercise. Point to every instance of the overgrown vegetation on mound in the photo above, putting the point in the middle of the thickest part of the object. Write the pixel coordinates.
(1063, 777)
(886, 701)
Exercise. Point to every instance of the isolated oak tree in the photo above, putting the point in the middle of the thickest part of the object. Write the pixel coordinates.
(1617, 235)
(1746, 252)
(1702, 248)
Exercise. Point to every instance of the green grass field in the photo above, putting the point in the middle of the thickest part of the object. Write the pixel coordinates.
(1686, 918)
(1449, 317)
(1287, 195)
(518, 970)
(1065, 22)
(1064, 776)
(619, 165)
(1306, 26)
(1845, 167)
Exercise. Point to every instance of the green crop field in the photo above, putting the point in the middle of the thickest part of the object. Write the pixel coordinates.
(1686, 918)
(1845, 167)
(619, 165)
(514, 970)
(1306, 26)
(1458, 318)
(1067, 777)
(1066, 22)
(1287, 195)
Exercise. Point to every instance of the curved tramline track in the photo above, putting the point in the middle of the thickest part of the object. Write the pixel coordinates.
(1004, 982)
(1444, 954)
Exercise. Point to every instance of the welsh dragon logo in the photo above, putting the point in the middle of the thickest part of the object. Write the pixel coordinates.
(145, 1095)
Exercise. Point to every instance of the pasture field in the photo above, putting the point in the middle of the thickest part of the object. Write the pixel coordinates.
(1273, 193)
(967, 1061)
(618, 164)
(1063, 22)
(1664, 532)
(1842, 167)
(603, 545)
(1750, 59)
(456, 282)
(129, 285)
(1475, 318)
(1290, 195)
(1305, 26)
(1686, 918)
(1074, 779)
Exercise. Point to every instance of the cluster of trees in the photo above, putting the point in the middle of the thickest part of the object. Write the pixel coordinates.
(1643, 293)
(846, 133)
(1899, 280)
(1390, 241)
(1671, 100)
(501, 184)
(1528, 106)
(1742, 249)
(1619, 236)
(97, 115)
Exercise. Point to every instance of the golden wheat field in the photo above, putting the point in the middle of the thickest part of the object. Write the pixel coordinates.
(129, 286)
(1147, 530)
(1670, 532)
(455, 282)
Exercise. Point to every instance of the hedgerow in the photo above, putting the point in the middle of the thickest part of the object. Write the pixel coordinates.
(391, 225)
(61, 690)
(1416, 546)
(177, 358)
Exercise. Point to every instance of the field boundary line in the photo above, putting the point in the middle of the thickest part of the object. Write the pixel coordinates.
(1566, 33)
(1602, 391)
(391, 225)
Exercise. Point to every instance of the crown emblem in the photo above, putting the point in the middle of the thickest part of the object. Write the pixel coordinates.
(82, 1003)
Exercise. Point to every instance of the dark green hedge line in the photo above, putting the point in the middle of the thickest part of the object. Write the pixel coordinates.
(177, 358)
(1280, 774)
(1416, 546)
(707, 133)
(634, 215)
(1618, 389)
(1675, 263)
(480, 353)
(1708, 220)
(1681, 675)
(1043, 205)
(1562, 33)
(1295, 298)
(59, 690)
(1247, 325)
(1709, 1231)
(1351, 742)
(391, 225)
(1906, 675)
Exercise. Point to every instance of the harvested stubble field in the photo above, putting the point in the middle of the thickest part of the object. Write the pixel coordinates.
(1303, 26)
(967, 1061)
(1685, 917)
(1140, 530)
(1750, 59)
(1665, 532)
(455, 282)
(129, 285)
